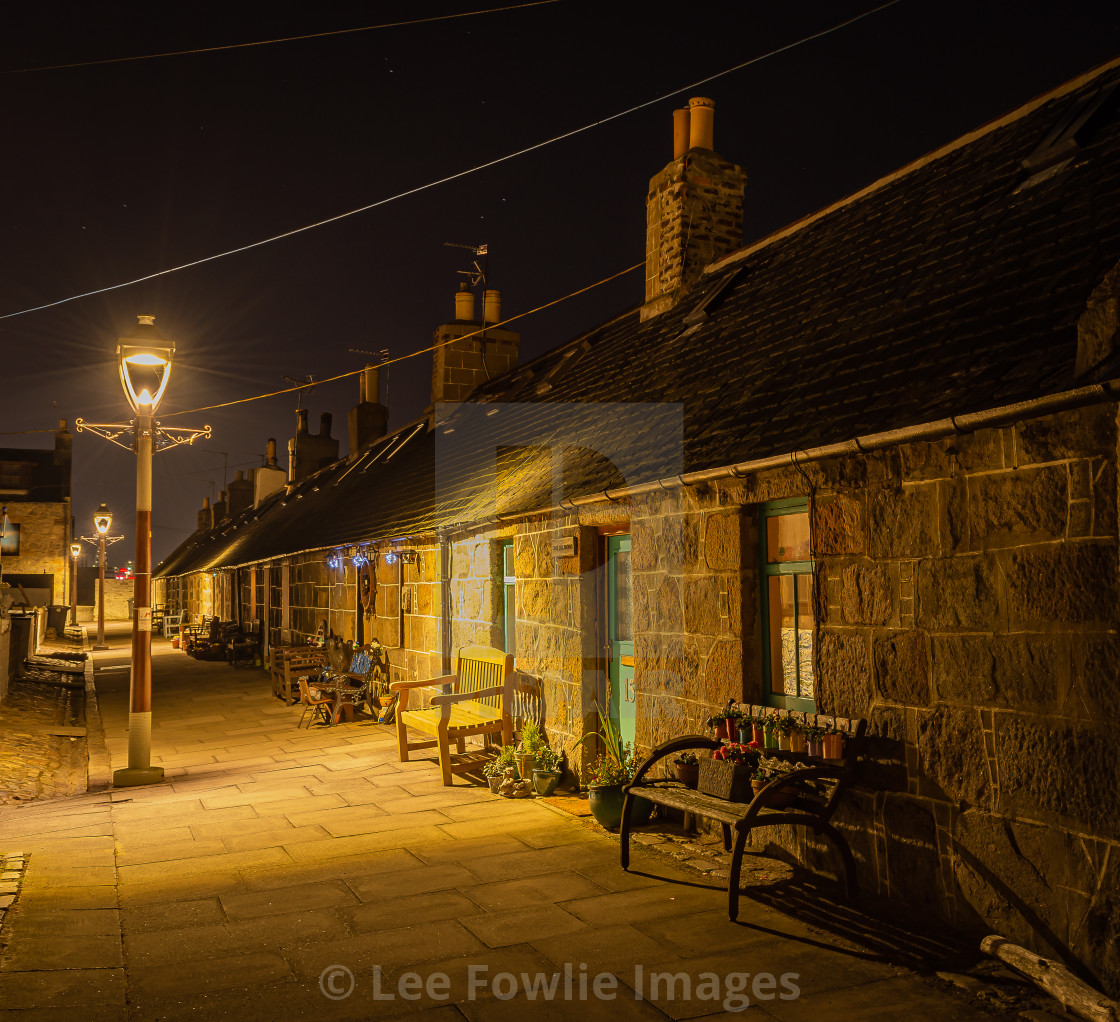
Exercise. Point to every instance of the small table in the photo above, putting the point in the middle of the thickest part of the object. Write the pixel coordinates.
(339, 690)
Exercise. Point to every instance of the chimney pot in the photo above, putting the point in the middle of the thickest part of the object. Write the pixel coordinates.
(701, 132)
(205, 503)
(325, 424)
(301, 422)
(270, 456)
(464, 304)
(680, 132)
(491, 307)
(371, 385)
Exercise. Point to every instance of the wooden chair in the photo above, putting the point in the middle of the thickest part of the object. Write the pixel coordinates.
(322, 707)
(172, 625)
(290, 662)
(476, 700)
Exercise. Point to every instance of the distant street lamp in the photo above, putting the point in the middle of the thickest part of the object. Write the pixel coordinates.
(102, 521)
(144, 361)
(75, 553)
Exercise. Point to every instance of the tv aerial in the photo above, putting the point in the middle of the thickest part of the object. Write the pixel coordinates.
(307, 383)
(478, 274)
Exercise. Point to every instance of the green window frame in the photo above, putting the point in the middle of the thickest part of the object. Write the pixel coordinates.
(509, 599)
(786, 597)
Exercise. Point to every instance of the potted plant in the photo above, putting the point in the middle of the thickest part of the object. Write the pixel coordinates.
(783, 726)
(813, 735)
(833, 742)
(797, 738)
(495, 770)
(546, 774)
(725, 722)
(530, 749)
(609, 773)
(776, 798)
(688, 769)
(770, 732)
(727, 772)
(747, 724)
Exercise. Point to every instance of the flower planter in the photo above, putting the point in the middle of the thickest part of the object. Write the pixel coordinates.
(495, 782)
(776, 798)
(688, 774)
(545, 781)
(797, 742)
(769, 738)
(731, 781)
(833, 747)
(757, 734)
(783, 741)
(526, 762)
(723, 731)
(815, 748)
(746, 735)
(606, 802)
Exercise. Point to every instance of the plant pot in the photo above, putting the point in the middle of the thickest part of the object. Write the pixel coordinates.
(385, 701)
(758, 735)
(815, 747)
(688, 774)
(526, 762)
(776, 798)
(746, 735)
(723, 730)
(545, 781)
(797, 742)
(783, 741)
(731, 781)
(495, 782)
(769, 738)
(606, 802)
(175, 643)
(833, 747)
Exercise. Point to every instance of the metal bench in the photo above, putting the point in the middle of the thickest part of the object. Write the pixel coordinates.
(820, 784)
(475, 700)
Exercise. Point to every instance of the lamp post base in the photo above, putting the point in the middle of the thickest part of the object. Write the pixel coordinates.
(132, 777)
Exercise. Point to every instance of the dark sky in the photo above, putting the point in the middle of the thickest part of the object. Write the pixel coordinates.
(116, 171)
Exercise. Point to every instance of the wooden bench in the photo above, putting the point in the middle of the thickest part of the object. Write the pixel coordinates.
(290, 662)
(820, 784)
(476, 700)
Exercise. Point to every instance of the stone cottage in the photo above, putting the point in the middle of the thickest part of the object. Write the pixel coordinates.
(866, 465)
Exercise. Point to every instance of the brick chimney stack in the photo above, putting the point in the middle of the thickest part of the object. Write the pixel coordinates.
(309, 452)
(694, 210)
(468, 362)
(205, 516)
(270, 477)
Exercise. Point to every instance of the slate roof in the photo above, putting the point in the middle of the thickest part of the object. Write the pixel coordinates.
(950, 287)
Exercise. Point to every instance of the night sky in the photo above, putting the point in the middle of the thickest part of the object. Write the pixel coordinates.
(116, 171)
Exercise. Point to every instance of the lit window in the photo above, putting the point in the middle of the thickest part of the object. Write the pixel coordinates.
(788, 623)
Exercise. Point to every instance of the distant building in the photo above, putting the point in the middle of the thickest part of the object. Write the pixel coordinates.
(35, 487)
(864, 467)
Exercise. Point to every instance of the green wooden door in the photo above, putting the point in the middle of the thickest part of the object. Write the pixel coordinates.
(620, 637)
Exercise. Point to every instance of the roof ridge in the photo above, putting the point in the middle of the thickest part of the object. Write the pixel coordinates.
(1018, 113)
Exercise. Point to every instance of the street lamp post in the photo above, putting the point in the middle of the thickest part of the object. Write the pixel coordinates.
(102, 521)
(75, 552)
(144, 361)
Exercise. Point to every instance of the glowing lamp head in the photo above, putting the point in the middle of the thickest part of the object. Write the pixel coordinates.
(102, 519)
(75, 549)
(145, 365)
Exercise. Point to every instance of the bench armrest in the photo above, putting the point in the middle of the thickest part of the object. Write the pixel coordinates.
(396, 686)
(461, 697)
(671, 746)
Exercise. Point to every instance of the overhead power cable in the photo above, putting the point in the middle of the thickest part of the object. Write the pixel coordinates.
(458, 174)
(271, 42)
(420, 351)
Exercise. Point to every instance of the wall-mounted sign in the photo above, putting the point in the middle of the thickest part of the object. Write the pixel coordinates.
(564, 547)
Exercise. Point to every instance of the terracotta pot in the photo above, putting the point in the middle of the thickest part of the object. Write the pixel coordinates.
(723, 730)
(833, 746)
(776, 798)
(688, 773)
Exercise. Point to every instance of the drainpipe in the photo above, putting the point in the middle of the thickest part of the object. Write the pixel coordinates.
(445, 602)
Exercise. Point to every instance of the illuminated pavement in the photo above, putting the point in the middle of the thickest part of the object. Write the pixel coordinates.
(272, 856)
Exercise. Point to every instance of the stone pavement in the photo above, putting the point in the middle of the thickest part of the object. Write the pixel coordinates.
(277, 869)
